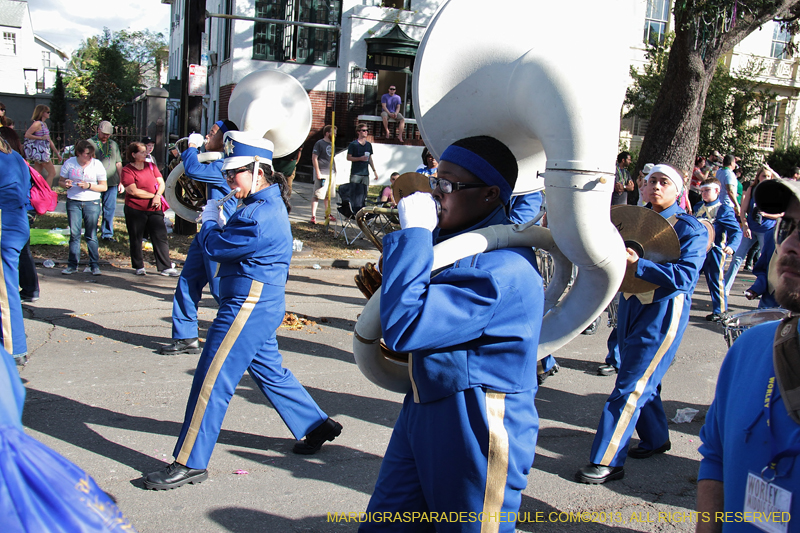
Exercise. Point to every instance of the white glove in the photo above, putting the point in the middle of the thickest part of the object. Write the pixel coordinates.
(196, 139)
(222, 218)
(418, 211)
(210, 212)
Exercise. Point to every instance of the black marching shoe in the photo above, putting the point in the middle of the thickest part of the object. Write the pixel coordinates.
(173, 476)
(540, 378)
(642, 453)
(607, 370)
(180, 346)
(596, 474)
(717, 317)
(327, 431)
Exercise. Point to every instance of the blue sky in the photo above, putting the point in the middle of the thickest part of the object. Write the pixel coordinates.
(66, 23)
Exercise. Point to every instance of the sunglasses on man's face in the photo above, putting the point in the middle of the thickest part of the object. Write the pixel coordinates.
(784, 230)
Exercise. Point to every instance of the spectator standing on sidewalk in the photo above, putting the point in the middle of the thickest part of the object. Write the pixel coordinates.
(107, 151)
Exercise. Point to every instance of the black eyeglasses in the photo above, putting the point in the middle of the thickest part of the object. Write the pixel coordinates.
(363, 129)
(232, 173)
(448, 186)
(784, 230)
(392, 89)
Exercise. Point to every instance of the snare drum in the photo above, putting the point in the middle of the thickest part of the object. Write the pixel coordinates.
(736, 324)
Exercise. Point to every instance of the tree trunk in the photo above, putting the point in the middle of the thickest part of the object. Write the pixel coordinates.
(674, 130)
(673, 133)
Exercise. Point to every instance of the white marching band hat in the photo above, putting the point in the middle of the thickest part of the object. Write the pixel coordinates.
(242, 148)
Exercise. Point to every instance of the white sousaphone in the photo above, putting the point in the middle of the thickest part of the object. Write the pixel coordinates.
(266, 102)
(520, 72)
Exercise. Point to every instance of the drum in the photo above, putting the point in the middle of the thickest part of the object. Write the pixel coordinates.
(736, 324)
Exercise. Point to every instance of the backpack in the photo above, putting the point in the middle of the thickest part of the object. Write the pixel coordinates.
(43, 198)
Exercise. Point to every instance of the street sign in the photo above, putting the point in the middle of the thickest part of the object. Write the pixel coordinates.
(197, 80)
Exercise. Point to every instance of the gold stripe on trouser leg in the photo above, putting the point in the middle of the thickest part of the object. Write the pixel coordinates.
(5, 307)
(723, 304)
(497, 469)
(213, 370)
(633, 398)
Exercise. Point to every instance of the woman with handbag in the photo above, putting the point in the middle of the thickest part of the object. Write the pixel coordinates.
(144, 210)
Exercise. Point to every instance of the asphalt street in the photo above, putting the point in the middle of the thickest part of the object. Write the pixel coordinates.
(99, 393)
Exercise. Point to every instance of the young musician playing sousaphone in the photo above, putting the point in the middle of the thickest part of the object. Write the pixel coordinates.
(649, 330)
(465, 437)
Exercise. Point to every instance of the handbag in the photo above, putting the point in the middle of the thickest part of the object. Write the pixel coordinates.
(43, 198)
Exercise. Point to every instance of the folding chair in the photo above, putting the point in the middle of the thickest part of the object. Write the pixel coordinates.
(347, 214)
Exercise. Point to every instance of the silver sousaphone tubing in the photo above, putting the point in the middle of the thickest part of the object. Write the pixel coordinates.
(269, 103)
(521, 73)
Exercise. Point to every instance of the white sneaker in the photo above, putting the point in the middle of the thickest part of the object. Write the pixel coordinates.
(87, 270)
(96, 271)
(171, 272)
(140, 272)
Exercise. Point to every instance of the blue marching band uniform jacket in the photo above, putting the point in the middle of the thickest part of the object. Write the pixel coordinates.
(253, 251)
(650, 329)
(472, 329)
(199, 269)
(726, 233)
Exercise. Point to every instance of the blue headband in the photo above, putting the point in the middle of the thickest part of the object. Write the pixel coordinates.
(222, 126)
(478, 166)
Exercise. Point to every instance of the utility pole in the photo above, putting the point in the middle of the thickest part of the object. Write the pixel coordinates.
(194, 24)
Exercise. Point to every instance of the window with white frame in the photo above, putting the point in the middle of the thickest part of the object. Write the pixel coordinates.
(284, 42)
(45, 59)
(10, 43)
(770, 120)
(656, 21)
(227, 28)
(780, 41)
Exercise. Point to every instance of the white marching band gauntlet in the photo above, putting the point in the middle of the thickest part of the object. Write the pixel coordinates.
(211, 212)
(197, 139)
(418, 211)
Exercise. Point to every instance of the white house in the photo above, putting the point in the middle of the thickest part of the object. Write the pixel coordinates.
(27, 62)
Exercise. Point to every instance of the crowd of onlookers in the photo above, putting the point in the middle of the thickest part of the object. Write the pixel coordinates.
(93, 177)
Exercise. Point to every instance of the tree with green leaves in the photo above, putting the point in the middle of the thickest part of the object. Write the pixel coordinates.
(734, 102)
(705, 30)
(58, 102)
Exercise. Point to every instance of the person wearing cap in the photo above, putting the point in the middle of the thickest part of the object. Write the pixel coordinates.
(199, 269)
(465, 438)
(650, 327)
(107, 151)
(253, 250)
(150, 144)
(752, 429)
(727, 236)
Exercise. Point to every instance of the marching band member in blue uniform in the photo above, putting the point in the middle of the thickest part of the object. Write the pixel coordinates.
(253, 251)
(15, 185)
(466, 435)
(198, 269)
(727, 236)
(650, 328)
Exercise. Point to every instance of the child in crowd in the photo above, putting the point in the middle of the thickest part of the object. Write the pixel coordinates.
(727, 237)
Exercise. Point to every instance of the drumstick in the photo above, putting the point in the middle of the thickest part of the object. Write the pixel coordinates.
(223, 200)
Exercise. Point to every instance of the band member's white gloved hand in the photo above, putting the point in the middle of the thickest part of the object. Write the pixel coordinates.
(418, 211)
(222, 218)
(210, 212)
(197, 139)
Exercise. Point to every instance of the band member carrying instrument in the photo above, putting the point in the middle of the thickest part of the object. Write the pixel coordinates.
(198, 269)
(650, 328)
(253, 251)
(465, 437)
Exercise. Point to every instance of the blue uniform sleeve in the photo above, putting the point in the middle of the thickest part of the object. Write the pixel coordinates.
(205, 172)
(711, 447)
(727, 223)
(682, 274)
(239, 240)
(419, 312)
(696, 208)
